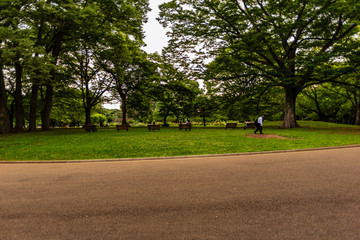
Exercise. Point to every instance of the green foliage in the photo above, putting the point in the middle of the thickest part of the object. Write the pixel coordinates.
(205, 107)
(332, 102)
(98, 119)
(140, 107)
(67, 107)
(321, 102)
(291, 44)
(111, 114)
(173, 90)
(48, 43)
(131, 72)
(110, 119)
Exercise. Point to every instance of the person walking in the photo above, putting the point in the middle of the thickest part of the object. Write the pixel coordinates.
(259, 124)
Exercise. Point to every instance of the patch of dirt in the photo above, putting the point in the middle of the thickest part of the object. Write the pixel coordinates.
(266, 136)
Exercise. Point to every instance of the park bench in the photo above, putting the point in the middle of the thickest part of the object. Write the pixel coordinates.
(90, 127)
(231, 125)
(249, 125)
(152, 127)
(122, 127)
(185, 126)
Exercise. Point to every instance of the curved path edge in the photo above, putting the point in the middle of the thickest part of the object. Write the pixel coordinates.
(176, 157)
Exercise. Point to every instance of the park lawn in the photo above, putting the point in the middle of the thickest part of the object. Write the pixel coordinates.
(76, 144)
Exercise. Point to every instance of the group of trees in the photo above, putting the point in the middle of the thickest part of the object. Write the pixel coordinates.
(256, 45)
(50, 46)
(285, 59)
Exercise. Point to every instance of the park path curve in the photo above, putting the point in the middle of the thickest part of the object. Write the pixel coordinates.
(291, 195)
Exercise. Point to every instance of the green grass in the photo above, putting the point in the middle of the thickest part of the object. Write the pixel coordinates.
(74, 144)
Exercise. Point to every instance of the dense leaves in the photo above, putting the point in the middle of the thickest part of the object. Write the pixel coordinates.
(46, 44)
(292, 44)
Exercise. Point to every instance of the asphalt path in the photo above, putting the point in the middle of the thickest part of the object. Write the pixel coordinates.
(292, 195)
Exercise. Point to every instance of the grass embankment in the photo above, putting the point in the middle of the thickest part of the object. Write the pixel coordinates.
(73, 144)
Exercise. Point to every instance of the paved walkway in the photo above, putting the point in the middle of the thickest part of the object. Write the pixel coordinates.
(292, 195)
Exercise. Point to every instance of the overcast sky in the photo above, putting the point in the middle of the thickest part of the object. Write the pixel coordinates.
(155, 34)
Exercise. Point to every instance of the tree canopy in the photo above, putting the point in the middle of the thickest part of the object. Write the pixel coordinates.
(36, 36)
(292, 44)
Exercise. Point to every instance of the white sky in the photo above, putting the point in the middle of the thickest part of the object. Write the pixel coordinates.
(155, 34)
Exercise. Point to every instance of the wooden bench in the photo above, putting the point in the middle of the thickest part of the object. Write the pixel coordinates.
(249, 125)
(185, 126)
(122, 127)
(152, 127)
(90, 127)
(231, 125)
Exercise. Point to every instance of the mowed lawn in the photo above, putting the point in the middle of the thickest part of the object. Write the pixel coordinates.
(76, 144)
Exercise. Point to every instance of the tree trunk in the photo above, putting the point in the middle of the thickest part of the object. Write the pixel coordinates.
(87, 115)
(204, 120)
(45, 113)
(19, 110)
(357, 118)
(33, 107)
(166, 115)
(290, 116)
(12, 114)
(123, 108)
(4, 113)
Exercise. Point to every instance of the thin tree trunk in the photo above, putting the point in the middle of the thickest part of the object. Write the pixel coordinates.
(204, 120)
(19, 109)
(4, 112)
(33, 107)
(165, 117)
(34, 93)
(290, 116)
(123, 108)
(45, 113)
(357, 119)
(12, 114)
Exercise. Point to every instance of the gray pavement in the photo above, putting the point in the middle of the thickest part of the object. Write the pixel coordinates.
(292, 195)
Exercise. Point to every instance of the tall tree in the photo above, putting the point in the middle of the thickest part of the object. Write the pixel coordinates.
(173, 91)
(37, 28)
(4, 114)
(103, 25)
(129, 68)
(67, 107)
(54, 26)
(291, 44)
(16, 50)
(204, 106)
(88, 77)
(61, 25)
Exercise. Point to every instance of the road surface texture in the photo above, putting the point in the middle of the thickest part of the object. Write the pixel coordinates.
(299, 195)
